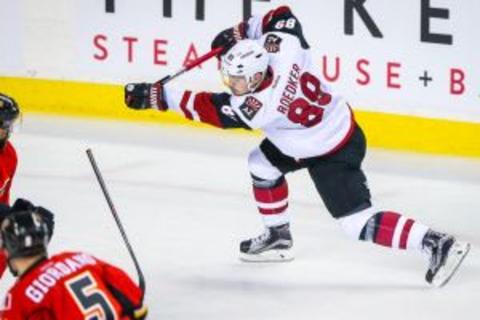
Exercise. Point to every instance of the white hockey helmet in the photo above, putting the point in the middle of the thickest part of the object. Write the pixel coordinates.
(245, 59)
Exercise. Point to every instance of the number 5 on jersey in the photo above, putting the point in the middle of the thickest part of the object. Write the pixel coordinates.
(92, 302)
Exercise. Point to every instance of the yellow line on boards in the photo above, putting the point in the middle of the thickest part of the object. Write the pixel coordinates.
(426, 135)
(385, 130)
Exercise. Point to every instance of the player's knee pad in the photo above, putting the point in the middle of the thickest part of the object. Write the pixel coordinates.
(261, 168)
(353, 224)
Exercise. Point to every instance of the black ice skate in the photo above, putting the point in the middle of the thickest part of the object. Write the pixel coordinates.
(271, 246)
(446, 255)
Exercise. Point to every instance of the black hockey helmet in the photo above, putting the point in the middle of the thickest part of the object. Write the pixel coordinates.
(9, 112)
(24, 234)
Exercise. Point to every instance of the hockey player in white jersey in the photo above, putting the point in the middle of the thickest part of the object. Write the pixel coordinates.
(276, 87)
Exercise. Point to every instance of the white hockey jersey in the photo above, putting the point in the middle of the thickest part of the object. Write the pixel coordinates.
(298, 112)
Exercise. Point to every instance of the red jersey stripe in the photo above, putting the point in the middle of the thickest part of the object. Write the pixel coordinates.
(386, 229)
(273, 211)
(405, 232)
(183, 104)
(206, 110)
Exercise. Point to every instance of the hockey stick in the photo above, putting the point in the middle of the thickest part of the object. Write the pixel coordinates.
(191, 65)
(141, 279)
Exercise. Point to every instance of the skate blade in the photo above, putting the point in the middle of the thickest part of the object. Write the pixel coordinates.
(458, 251)
(268, 256)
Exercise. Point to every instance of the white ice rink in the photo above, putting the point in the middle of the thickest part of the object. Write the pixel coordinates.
(184, 198)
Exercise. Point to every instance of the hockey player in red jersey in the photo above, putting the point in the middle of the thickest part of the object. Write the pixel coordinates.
(9, 112)
(69, 285)
(276, 87)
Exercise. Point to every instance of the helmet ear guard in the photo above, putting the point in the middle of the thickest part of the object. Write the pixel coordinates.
(9, 109)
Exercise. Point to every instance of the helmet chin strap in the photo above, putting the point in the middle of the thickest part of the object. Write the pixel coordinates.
(253, 88)
(13, 271)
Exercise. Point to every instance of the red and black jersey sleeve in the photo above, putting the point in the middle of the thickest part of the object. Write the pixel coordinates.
(280, 19)
(211, 108)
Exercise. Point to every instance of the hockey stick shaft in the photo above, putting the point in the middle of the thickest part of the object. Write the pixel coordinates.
(191, 65)
(98, 174)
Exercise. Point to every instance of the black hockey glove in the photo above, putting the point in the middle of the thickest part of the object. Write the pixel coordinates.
(47, 216)
(228, 38)
(142, 96)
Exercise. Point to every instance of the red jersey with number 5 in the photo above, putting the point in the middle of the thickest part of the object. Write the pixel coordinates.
(298, 112)
(71, 286)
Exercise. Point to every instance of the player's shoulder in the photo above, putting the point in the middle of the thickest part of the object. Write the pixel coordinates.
(250, 106)
(22, 287)
(9, 146)
(45, 279)
(9, 150)
(280, 24)
(64, 254)
(77, 256)
(260, 96)
(281, 48)
(274, 16)
(12, 304)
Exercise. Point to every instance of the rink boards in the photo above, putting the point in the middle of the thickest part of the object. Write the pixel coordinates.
(385, 130)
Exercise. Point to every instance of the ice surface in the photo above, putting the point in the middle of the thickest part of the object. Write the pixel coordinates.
(184, 198)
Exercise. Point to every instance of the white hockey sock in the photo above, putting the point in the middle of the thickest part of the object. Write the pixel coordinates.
(385, 228)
